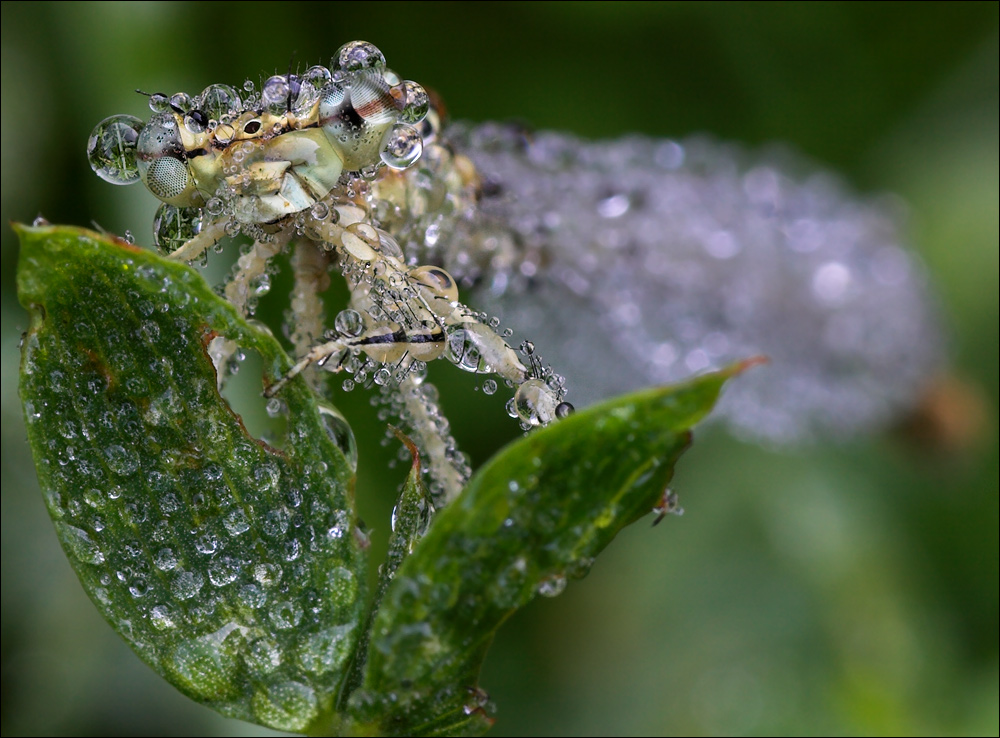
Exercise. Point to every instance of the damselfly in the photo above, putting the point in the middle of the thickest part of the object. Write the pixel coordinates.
(633, 262)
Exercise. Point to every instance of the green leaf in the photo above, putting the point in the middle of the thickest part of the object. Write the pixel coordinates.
(537, 514)
(231, 566)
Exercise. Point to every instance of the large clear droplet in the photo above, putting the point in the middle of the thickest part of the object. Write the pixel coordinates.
(358, 55)
(339, 432)
(219, 100)
(111, 149)
(535, 403)
(310, 84)
(349, 323)
(416, 102)
(403, 146)
(174, 226)
(274, 94)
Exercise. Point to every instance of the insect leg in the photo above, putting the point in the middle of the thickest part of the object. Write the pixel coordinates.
(309, 266)
(425, 423)
(251, 268)
(208, 237)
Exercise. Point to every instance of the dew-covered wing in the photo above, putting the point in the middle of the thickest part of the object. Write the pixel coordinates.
(641, 261)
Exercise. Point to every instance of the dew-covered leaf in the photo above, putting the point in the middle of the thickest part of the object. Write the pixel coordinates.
(230, 564)
(535, 516)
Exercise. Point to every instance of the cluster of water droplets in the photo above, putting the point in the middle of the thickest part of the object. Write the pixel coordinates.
(216, 570)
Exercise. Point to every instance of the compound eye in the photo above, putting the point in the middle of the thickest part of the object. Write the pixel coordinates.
(167, 178)
(162, 162)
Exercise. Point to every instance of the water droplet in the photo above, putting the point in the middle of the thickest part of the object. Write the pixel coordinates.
(349, 323)
(236, 521)
(223, 570)
(174, 226)
(208, 667)
(341, 588)
(111, 149)
(162, 618)
(552, 586)
(340, 433)
(219, 100)
(266, 476)
(325, 652)
(121, 460)
(252, 596)
(403, 147)
(165, 559)
(358, 55)
(276, 522)
(94, 498)
(286, 614)
(80, 544)
(139, 588)
(416, 102)
(187, 584)
(267, 574)
(264, 655)
(275, 93)
(535, 403)
(206, 543)
(288, 706)
(320, 211)
(159, 103)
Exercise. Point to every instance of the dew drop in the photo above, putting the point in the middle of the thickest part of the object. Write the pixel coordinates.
(403, 147)
(416, 103)
(340, 433)
(206, 544)
(111, 149)
(535, 403)
(174, 226)
(552, 586)
(286, 614)
(276, 522)
(80, 544)
(326, 651)
(252, 596)
(267, 574)
(186, 584)
(358, 55)
(264, 655)
(162, 618)
(236, 521)
(121, 460)
(165, 559)
(288, 706)
(349, 323)
(223, 570)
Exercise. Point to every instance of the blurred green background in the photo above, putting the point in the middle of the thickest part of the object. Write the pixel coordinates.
(846, 590)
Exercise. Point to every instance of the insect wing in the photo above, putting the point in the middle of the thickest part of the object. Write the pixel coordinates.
(641, 261)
